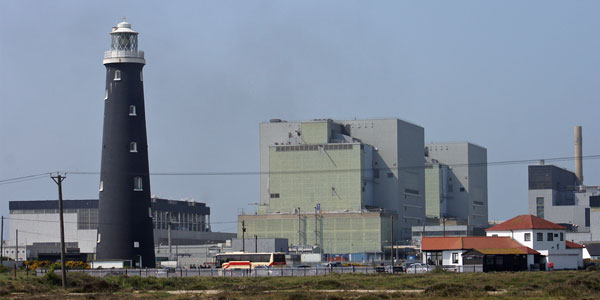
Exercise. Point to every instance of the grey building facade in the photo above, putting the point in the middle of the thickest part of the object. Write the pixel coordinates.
(38, 223)
(456, 182)
(555, 195)
(392, 167)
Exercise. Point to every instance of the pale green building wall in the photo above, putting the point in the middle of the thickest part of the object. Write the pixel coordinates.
(337, 234)
(433, 191)
(316, 132)
(311, 175)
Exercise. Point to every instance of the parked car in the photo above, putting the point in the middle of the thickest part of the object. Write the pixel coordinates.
(263, 269)
(417, 268)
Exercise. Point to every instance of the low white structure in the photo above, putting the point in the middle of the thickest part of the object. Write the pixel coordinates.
(110, 264)
(543, 236)
(478, 253)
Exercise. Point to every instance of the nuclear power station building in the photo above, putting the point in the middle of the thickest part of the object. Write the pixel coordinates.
(456, 182)
(560, 196)
(124, 209)
(456, 192)
(341, 186)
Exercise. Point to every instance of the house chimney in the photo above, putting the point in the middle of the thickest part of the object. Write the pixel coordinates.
(578, 155)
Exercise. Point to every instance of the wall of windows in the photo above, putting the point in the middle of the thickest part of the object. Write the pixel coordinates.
(87, 218)
(179, 221)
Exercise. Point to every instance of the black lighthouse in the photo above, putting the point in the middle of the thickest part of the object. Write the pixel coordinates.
(125, 217)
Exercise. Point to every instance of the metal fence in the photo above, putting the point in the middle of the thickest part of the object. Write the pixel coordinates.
(260, 272)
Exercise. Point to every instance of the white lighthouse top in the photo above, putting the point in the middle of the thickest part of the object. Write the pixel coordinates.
(124, 46)
(123, 27)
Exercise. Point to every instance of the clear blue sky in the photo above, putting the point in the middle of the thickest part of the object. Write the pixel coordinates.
(512, 76)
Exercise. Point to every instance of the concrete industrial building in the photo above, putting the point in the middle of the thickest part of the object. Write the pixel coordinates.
(456, 193)
(37, 226)
(559, 195)
(336, 185)
(456, 182)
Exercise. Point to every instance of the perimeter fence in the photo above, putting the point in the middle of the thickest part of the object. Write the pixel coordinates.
(264, 272)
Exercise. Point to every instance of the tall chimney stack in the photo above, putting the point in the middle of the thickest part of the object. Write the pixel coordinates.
(578, 155)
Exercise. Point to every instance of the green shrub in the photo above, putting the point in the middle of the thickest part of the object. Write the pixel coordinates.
(52, 279)
(4, 269)
(450, 290)
(83, 283)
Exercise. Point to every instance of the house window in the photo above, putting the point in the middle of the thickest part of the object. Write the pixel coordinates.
(562, 237)
(133, 147)
(132, 111)
(550, 237)
(540, 237)
(454, 258)
(390, 175)
(527, 237)
(101, 186)
(137, 183)
(462, 189)
(117, 75)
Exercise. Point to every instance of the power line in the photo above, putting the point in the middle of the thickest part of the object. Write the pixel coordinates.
(247, 173)
(23, 178)
(103, 223)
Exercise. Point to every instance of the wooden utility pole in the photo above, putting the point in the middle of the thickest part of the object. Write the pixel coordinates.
(16, 253)
(16, 245)
(243, 236)
(58, 179)
(2, 242)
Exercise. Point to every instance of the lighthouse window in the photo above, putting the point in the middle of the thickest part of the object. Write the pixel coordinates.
(117, 75)
(106, 94)
(132, 110)
(133, 147)
(101, 185)
(137, 183)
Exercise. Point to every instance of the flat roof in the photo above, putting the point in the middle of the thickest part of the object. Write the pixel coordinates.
(157, 204)
(272, 121)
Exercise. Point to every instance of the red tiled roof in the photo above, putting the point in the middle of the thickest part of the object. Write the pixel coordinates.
(573, 245)
(472, 242)
(525, 222)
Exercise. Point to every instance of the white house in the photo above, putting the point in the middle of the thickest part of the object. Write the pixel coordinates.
(543, 236)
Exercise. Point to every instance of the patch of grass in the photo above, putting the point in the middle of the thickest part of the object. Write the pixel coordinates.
(539, 285)
(451, 290)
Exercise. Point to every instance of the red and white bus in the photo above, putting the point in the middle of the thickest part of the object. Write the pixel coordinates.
(242, 260)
